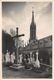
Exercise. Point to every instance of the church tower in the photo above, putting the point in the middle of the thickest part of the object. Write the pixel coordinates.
(32, 28)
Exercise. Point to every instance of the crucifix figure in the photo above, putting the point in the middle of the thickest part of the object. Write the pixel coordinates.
(16, 37)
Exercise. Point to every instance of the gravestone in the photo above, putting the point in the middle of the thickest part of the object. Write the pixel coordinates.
(7, 57)
(20, 61)
(37, 62)
(12, 57)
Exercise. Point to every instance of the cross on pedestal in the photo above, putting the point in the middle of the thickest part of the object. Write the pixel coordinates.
(17, 36)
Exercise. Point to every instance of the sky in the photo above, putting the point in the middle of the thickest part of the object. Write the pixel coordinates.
(19, 14)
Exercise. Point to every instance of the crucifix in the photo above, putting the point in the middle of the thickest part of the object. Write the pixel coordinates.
(16, 37)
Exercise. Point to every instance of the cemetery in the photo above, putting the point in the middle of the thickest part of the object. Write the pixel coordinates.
(27, 63)
(32, 60)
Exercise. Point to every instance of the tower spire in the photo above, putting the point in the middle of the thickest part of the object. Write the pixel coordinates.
(32, 14)
(32, 27)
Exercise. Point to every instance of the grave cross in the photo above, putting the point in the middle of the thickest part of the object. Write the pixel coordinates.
(17, 36)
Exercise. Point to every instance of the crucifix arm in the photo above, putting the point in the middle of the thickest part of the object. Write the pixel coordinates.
(18, 36)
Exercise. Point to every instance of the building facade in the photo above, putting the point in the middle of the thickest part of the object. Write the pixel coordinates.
(44, 45)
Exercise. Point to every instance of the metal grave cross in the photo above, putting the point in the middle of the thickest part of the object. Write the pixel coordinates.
(17, 36)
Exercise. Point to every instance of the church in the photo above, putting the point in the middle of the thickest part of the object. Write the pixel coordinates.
(44, 45)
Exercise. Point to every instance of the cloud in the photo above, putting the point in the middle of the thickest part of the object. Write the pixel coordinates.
(20, 14)
(7, 7)
(47, 9)
(8, 23)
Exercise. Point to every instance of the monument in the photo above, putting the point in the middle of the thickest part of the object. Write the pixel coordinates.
(7, 57)
(37, 62)
(12, 57)
(17, 65)
(20, 61)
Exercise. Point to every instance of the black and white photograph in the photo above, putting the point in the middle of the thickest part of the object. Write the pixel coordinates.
(26, 40)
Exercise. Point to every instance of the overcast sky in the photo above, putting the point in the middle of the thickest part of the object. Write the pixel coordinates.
(19, 14)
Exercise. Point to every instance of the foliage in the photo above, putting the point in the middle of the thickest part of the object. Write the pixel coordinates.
(7, 42)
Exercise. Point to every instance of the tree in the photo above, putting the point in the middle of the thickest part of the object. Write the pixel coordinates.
(7, 42)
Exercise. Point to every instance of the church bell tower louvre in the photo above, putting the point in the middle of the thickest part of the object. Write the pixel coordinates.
(32, 29)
